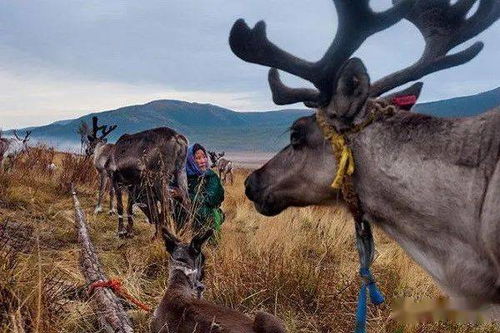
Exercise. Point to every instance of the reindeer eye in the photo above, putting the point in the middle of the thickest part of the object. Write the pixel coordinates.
(296, 138)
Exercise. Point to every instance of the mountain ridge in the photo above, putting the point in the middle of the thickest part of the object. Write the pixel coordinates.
(224, 129)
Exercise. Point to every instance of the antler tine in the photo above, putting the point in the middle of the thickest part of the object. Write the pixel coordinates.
(26, 137)
(283, 94)
(17, 136)
(95, 127)
(443, 27)
(252, 45)
(105, 131)
(487, 13)
(356, 23)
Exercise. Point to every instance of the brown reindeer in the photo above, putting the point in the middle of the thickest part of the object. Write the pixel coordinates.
(432, 184)
(223, 166)
(146, 163)
(103, 158)
(182, 310)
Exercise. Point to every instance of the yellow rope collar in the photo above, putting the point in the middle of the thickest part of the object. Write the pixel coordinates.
(343, 153)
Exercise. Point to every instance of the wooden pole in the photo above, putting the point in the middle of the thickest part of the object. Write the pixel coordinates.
(110, 312)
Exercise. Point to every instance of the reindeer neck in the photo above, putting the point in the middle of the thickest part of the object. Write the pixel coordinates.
(179, 279)
(99, 149)
(411, 172)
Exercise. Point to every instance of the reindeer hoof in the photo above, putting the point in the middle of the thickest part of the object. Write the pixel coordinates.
(112, 212)
(122, 234)
(97, 210)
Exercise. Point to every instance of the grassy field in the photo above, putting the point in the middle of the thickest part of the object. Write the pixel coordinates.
(301, 265)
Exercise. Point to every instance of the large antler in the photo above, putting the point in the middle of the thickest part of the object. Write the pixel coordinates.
(17, 136)
(104, 129)
(443, 26)
(26, 137)
(356, 23)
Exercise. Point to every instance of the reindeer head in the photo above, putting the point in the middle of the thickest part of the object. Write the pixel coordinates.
(23, 141)
(300, 174)
(93, 138)
(188, 258)
(213, 158)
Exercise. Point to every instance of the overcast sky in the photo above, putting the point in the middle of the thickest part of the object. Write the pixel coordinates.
(62, 59)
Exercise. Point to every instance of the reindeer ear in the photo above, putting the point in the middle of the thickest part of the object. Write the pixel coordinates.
(171, 242)
(404, 99)
(199, 239)
(351, 91)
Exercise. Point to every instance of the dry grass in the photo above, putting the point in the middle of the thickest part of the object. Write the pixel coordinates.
(301, 265)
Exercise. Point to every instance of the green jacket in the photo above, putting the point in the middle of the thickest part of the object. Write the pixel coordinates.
(206, 194)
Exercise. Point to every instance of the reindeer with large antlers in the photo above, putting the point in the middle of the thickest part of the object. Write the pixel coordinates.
(431, 184)
(23, 141)
(103, 158)
(13, 148)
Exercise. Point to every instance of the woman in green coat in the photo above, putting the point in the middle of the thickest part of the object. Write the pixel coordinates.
(205, 190)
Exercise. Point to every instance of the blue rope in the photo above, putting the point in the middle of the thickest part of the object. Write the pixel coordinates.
(376, 298)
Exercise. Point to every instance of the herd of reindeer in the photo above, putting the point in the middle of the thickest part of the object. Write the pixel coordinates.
(432, 184)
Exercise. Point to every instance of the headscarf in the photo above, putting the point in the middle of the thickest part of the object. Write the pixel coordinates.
(192, 168)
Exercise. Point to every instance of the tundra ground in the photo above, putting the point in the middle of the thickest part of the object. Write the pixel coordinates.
(301, 265)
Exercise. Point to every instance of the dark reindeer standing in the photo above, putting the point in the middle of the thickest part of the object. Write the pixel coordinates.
(223, 166)
(146, 163)
(182, 310)
(431, 184)
(103, 158)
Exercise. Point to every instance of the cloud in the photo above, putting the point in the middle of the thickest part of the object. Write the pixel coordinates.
(40, 100)
(66, 57)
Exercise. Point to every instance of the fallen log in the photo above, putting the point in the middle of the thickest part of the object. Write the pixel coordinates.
(110, 312)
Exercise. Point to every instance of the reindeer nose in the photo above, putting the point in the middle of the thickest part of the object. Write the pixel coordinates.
(250, 188)
(200, 288)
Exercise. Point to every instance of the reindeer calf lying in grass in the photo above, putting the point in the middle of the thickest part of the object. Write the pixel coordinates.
(182, 309)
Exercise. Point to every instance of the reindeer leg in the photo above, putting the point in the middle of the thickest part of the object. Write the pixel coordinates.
(98, 207)
(181, 178)
(112, 210)
(119, 207)
(130, 205)
(161, 215)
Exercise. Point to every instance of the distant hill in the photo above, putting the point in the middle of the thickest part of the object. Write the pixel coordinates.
(217, 127)
(462, 106)
(224, 129)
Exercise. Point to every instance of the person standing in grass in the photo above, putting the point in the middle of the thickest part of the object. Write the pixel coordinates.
(205, 190)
